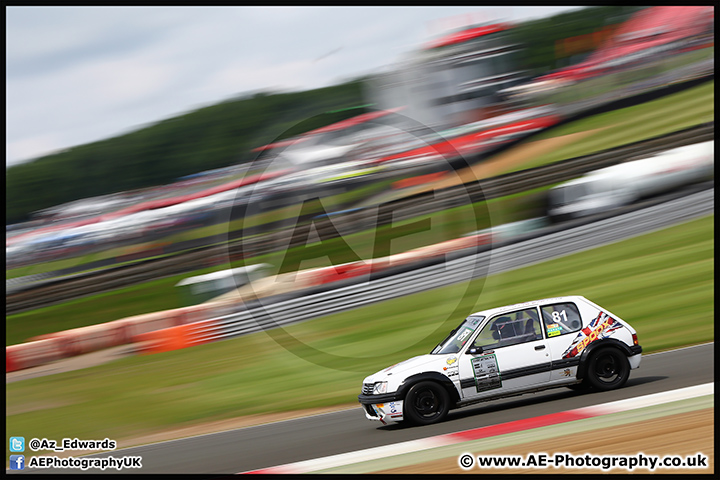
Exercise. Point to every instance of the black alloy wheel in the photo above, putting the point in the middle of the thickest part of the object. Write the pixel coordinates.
(426, 403)
(608, 369)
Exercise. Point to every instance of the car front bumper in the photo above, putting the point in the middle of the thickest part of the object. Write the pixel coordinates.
(384, 412)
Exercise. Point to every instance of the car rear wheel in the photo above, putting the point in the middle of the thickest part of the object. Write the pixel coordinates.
(608, 369)
(426, 403)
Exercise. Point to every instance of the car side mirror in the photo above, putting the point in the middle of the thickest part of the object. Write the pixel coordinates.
(475, 350)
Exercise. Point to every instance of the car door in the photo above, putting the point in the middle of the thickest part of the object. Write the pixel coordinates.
(508, 354)
(562, 323)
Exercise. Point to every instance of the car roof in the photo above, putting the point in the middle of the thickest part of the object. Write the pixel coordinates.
(509, 308)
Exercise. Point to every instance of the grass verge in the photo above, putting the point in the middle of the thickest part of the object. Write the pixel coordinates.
(632, 124)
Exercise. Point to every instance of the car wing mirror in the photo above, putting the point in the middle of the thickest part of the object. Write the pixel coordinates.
(475, 350)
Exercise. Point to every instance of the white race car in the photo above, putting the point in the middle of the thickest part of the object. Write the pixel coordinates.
(506, 351)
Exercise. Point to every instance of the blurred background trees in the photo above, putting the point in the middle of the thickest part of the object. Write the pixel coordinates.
(225, 134)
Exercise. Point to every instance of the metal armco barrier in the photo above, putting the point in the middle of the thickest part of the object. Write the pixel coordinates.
(49, 292)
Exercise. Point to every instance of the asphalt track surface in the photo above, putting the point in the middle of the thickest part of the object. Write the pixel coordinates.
(262, 446)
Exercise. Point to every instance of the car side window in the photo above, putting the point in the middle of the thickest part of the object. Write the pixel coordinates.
(510, 329)
(561, 318)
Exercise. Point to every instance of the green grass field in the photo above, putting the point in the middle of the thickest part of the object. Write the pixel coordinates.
(632, 124)
(607, 83)
(662, 283)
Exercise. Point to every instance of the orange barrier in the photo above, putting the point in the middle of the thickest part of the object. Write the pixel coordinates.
(31, 354)
(150, 322)
(78, 341)
(10, 365)
(173, 338)
(162, 330)
(91, 338)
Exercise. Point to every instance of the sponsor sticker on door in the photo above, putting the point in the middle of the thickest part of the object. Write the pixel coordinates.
(487, 374)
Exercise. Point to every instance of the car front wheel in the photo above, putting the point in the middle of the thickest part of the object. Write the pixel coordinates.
(426, 403)
(608, 369)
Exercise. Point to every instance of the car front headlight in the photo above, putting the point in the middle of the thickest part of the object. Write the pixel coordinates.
(379, 388)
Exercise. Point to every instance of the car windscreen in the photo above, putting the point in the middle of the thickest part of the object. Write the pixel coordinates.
(458, 337)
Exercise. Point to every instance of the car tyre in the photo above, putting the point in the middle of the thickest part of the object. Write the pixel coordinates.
(608, 369)
(426, 403)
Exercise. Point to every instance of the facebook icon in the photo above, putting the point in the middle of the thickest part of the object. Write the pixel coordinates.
(17, 462)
